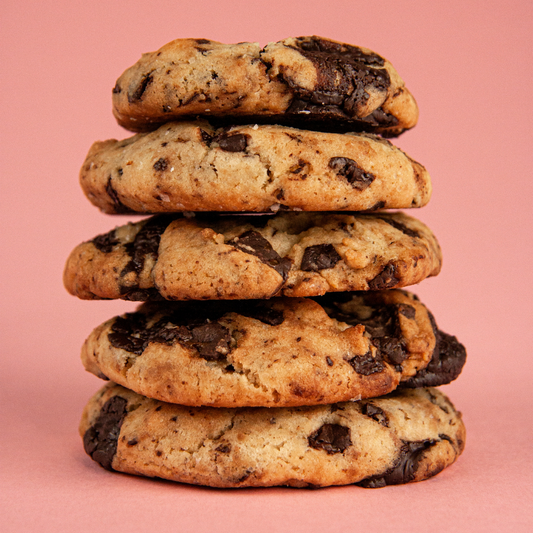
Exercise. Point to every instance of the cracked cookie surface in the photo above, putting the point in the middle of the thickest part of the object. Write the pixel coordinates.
(276, 353)
(193, 166)
(218, 257)
(308, 81)
(403, 437)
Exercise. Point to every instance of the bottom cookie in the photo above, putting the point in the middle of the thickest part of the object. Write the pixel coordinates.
(406, 436)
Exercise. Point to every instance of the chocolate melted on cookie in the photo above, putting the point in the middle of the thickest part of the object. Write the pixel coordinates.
(146, 242)
(333, 438)
(100, 440)
(383, 325)
(193, 324)
(445, 365)
(318, 257)
(386, 279)
(376, 413)
(344, 74)
(405, 469)
(253, 243)
(354, 174)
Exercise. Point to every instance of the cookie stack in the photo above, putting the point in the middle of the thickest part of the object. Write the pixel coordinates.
(274, 346)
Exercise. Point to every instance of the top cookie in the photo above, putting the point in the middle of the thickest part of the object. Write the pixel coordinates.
(301, 81)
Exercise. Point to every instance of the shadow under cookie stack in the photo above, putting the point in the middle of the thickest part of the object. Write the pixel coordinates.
(273, 345)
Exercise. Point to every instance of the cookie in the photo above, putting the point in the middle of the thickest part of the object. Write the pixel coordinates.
(192, 166)
(279, 352)
(403, 437)
(246, 257)
(305, 81)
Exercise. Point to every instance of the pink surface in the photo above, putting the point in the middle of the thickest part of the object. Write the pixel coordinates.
(468, 64)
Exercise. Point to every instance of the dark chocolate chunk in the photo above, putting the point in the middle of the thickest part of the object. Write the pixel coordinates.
(366, 364)
(333, 438)
(141, 295)
(269, 316)
(117, 89)
(206, 137)
(106, 242)
(408, 311)
(119, 207)
(349, 169)
(399, 226)
(383, 324)
(212, 341)
(344, 75)
(202, 41)
(146, 242)
(386, 279)
(223, 448)
(253, 243)
(376, 413)
(232, 142)
(319, 257)
(405, 468)
(161, 164)
(391, 348)
(101, 439)
(137, 94)
(445, 365)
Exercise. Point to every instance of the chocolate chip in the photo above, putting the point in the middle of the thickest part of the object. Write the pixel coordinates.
(333, 438)
(319, 257)
(117, 89)
(349, 169)
(344, 75)
(253, 243)
(329, 361)
(131, 333)
(383, 324)
(206, 137)
(101, 439)
(399, 226)
(232, 142)
(376, 206)
(139, 91)
(223, 448)
(366, 364)
(269, 316)
(445, 365)
(118, 206)
(146, 242)
(133, 442)
(405, 468)
(106, 242)
(211, 340)
(376, 413)
(202, 41)
(391, 348)
(408, 311)
(386, 279)
(161, 164)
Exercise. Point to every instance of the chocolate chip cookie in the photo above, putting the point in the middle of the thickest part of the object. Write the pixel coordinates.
(192, 166)
(400, 438)
(279, 352)
(306, 81)
(245, 257)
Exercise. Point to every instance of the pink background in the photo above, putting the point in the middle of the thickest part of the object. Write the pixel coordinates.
(469, 65)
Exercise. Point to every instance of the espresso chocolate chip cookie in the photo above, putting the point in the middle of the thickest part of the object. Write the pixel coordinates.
(307, 81)
(403, 437)
(192, 166)
(279, 352)
(245, 257)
